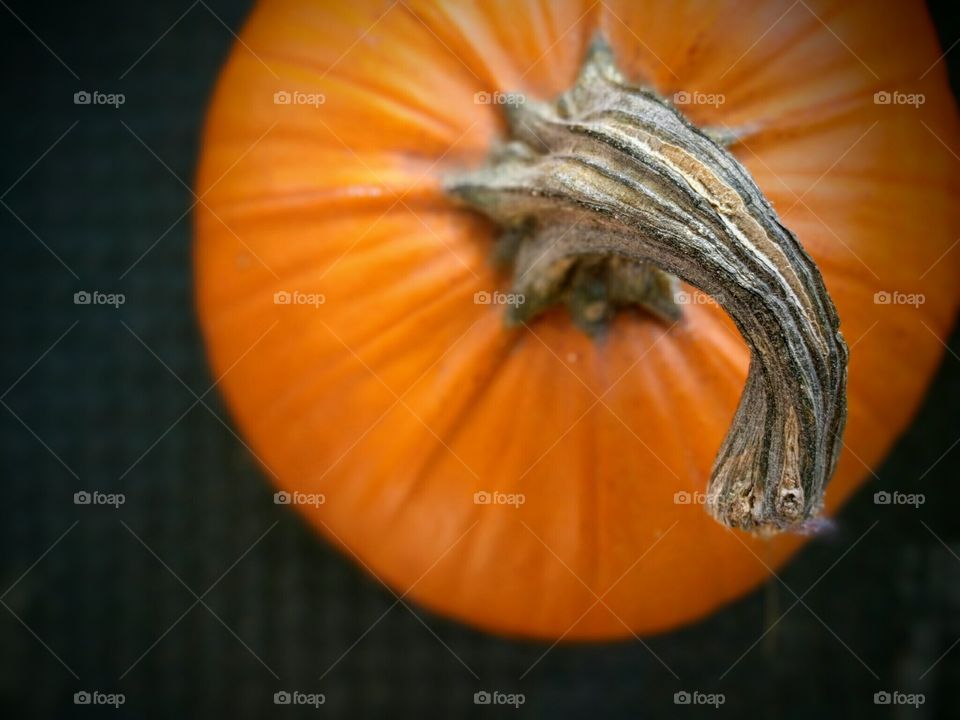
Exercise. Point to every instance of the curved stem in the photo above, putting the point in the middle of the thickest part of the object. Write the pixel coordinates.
(612, 170)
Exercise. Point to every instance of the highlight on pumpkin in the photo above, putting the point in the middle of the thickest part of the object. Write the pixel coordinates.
(574, 321)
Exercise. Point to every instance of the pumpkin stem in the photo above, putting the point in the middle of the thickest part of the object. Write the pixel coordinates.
(607, 193)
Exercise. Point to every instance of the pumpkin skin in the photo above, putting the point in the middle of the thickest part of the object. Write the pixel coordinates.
(399, 397)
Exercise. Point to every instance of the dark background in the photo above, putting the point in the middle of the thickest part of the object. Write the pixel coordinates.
(80, 616)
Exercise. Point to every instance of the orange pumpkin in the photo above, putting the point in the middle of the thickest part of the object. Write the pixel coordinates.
(336, 288)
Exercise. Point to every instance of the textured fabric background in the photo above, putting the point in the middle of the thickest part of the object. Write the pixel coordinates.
(113, 604)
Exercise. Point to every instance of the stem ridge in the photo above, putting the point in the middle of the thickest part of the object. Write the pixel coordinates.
(611, 170)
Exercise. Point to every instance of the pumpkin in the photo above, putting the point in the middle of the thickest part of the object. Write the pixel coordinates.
(539, 479)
